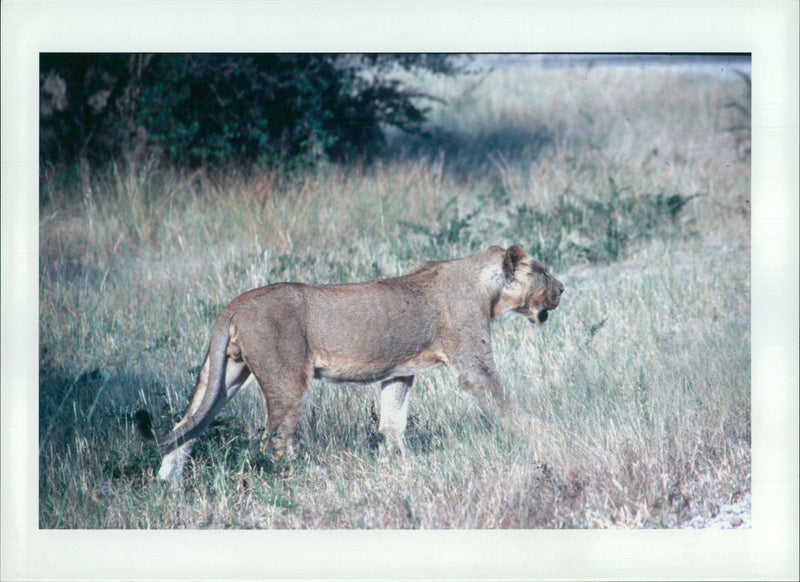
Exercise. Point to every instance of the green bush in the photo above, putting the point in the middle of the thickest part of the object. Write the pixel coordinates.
(226, 108)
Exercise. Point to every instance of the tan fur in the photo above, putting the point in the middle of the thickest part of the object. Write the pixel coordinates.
(384, 331)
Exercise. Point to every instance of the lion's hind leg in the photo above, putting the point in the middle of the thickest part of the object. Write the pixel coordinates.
(283, 387)
(394, 410)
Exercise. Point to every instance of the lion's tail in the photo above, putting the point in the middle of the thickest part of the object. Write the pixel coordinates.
(144, 424)
(209, 396)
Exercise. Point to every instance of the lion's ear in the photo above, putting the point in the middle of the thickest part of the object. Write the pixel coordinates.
(512, 259)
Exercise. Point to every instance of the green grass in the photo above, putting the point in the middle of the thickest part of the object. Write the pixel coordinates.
(630, 408)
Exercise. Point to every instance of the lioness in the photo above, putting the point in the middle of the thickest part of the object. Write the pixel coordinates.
(383, 331)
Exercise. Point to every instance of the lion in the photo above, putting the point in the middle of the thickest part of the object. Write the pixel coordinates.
(386, 331)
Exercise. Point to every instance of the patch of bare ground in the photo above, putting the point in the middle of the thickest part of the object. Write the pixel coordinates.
(732, 514)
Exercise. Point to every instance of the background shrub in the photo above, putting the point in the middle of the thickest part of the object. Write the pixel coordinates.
(226, 108)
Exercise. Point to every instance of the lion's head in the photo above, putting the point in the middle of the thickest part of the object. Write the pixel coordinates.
(532, 290)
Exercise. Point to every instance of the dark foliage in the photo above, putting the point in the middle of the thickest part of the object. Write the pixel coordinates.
(225, 108)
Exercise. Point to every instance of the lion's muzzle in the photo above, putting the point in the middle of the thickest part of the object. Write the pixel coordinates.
(546, 300)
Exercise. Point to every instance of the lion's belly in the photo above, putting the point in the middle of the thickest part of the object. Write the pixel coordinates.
(365, 371)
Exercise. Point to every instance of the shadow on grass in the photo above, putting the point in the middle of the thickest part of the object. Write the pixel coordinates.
(87, 426)
(468, 155)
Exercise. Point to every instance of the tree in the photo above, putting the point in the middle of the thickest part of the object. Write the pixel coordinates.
(196, 109)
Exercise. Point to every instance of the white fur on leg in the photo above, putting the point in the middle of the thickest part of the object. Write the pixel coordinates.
(394, 411)
(173, 462)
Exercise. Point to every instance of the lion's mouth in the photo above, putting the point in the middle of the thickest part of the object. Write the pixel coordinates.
(539, 316)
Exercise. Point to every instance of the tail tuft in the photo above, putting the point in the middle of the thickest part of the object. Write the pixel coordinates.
(144, 424)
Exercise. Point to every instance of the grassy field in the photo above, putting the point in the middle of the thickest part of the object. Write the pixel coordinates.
(630, 408)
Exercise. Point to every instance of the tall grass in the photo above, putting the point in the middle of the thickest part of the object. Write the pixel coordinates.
(631, 407)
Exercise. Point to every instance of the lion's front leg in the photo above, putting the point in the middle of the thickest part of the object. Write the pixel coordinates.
(485, 387)
(394, 410)
(473, 361)
(480, 377)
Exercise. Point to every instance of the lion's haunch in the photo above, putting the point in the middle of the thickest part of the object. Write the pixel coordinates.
(383, 331)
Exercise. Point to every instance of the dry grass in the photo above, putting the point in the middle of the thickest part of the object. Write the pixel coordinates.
(631, 408)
